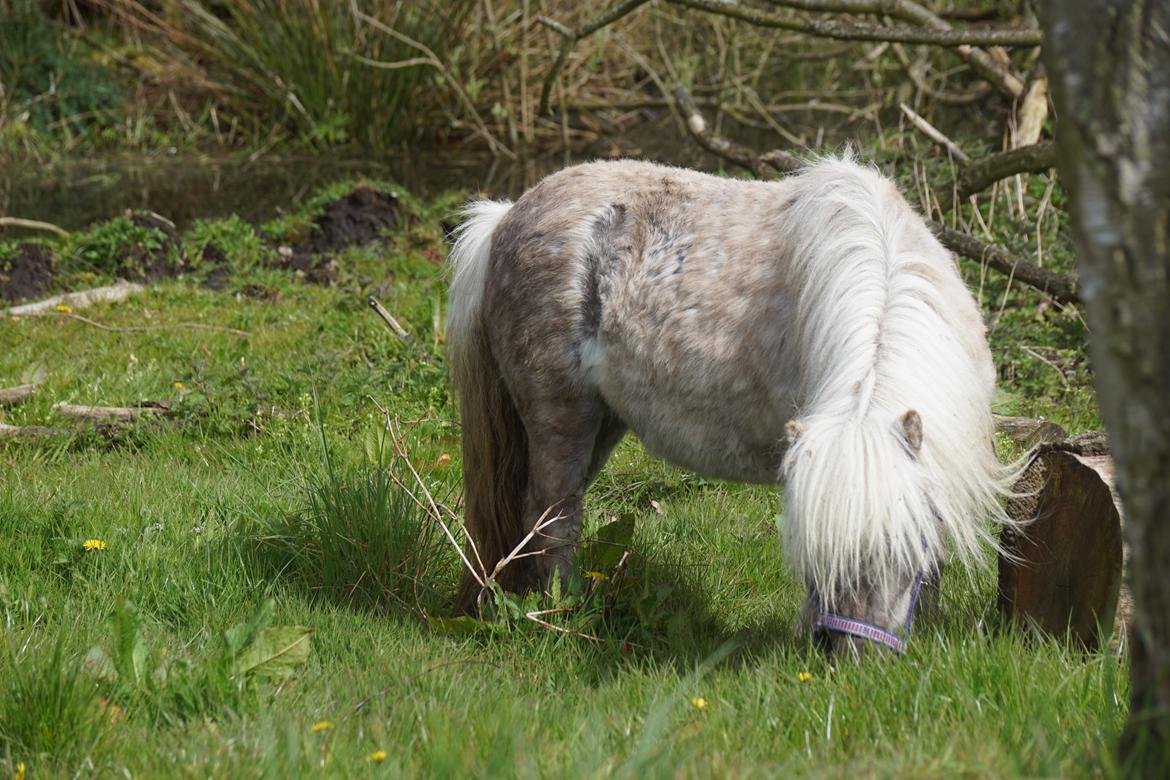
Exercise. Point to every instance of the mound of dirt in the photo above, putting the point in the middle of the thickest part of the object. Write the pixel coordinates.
(357, 219)
(140, 262)
(28, 274)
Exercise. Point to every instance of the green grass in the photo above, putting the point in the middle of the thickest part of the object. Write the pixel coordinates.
(264, 506)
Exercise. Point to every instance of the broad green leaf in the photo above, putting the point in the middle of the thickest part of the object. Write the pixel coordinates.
(129, 649)
(241, 635)
(98, 661)
(275, 652)
(605, 549)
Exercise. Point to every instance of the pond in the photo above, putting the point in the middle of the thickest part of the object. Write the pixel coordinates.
(72, 194)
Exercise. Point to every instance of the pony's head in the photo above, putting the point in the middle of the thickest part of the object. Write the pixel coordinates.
(861, 527)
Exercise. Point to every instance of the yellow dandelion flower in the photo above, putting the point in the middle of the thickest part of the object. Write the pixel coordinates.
(596, 575)
(804, 676)
(63, 308)
(180, 387)
(378, 756)
(321, 725)
(699, 703)
(93, 545)
(21, 771)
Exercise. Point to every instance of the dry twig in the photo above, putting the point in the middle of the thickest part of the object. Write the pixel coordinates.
(388, 318)
(147, 328)
(33, 224)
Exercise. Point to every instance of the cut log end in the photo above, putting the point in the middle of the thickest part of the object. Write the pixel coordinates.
(1062, 570)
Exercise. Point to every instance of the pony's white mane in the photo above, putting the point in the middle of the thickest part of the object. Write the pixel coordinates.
(884, 326)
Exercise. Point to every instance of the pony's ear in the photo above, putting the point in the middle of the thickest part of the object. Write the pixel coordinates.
(792, 431)
(912, 430)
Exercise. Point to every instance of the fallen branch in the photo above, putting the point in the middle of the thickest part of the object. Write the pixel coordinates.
(113, 294)
(1062, 287)
(33, 224)
(982, 173)
(29, 432)
(107, 414)
(11, 396)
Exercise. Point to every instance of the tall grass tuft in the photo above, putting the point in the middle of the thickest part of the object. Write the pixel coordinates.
(46, 75)
(49, 709)
(362, 539)
(307, 63)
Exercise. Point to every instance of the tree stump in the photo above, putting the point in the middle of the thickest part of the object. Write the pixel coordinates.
(1063, 571)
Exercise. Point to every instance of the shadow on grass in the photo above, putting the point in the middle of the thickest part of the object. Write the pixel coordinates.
(362, 542)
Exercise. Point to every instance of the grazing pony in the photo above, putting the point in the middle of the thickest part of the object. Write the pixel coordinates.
(809, 331)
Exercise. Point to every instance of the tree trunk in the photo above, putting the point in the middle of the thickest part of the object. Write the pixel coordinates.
(1109, 61)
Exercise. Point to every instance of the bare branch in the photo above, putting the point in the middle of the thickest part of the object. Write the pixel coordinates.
(573, 36)
(1062, 287)
(935, 134)
(763, 166)
(146, 328)
(985, 171)
(1002, 76)
(29, 432)
(848, 31)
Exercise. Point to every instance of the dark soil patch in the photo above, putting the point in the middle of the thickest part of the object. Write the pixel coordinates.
(218, 278)
(358, 218)
(28, 274)
(258, 292)
(165, 259)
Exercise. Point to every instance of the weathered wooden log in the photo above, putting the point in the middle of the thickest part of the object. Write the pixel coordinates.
(112, 414)
(10, 396)
(27, 432)
(1062, 572)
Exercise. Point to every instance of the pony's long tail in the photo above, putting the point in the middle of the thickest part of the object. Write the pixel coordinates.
(495, 448)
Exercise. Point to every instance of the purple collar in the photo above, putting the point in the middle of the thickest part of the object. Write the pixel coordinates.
(859, 628)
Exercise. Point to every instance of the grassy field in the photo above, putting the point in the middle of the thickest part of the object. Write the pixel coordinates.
(243, 588)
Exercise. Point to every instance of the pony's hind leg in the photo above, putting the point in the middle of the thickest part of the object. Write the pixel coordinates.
(565, 452)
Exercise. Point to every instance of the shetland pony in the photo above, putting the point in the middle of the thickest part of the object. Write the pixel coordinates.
(809, 331)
